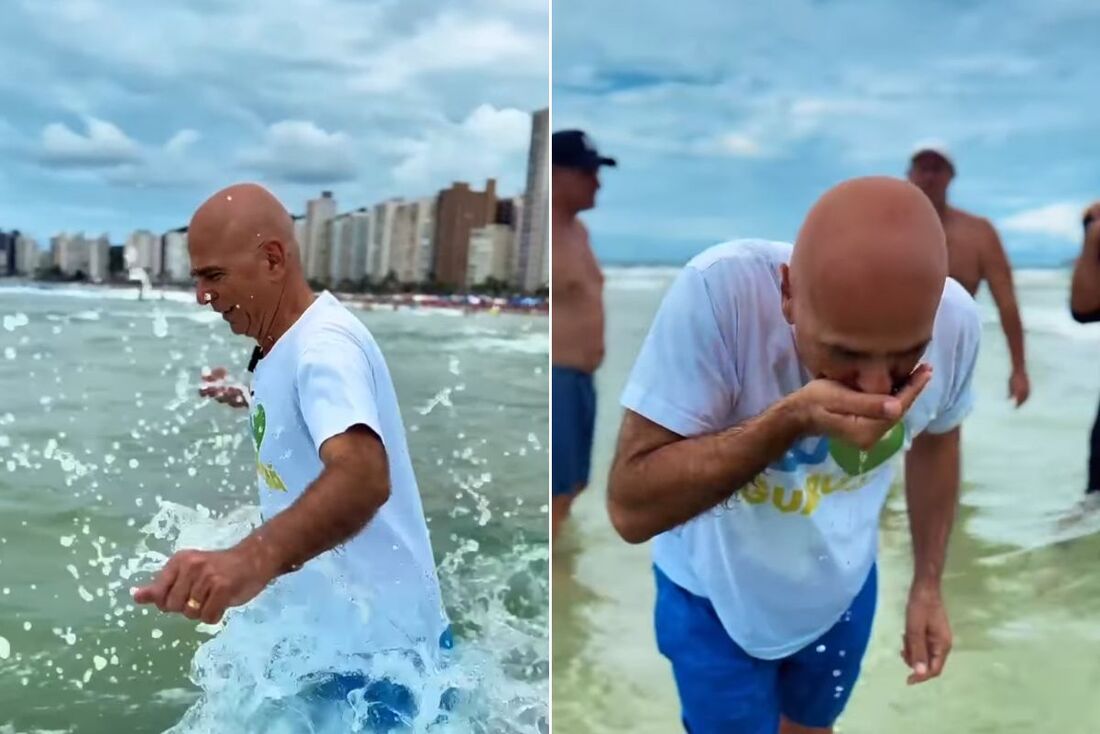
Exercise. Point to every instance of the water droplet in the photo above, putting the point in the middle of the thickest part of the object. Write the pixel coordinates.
(157, 634)
(9, 352)
(821, 648)
(99, 662)
(133, 463)
(160, 325)
(11, 323)
(836, 673)
(5, 648)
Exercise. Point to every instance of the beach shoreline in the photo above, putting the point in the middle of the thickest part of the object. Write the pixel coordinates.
(465, 303)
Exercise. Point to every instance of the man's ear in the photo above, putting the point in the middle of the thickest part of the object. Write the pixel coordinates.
(785, 290)
(274, 254)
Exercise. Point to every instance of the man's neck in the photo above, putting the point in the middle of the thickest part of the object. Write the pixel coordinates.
(563, 217)
(296, 299)
(941, 207)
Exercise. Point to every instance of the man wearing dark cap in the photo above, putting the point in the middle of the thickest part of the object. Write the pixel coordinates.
(577, 338)
(974, 253)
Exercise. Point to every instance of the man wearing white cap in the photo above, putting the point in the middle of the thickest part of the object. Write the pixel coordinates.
(974, 253)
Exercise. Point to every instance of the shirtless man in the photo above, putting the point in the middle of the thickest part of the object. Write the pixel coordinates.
(577, 340)
(1084, 304)
(974, 254)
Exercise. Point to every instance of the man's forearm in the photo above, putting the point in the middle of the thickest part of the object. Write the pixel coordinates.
(932, 493)
(1014, 334)
(670, 485)
(333, 509)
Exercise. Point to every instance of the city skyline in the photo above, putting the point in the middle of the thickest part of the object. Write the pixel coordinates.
(458, 238)
(42, 239)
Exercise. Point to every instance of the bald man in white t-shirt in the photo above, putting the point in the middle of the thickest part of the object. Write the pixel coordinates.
(772, 399)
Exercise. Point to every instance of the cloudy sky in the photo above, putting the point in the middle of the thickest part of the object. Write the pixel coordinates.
(729, 119)
(124, 114)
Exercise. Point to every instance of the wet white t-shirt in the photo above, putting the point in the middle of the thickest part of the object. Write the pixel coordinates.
(325, 375)
(784, 557)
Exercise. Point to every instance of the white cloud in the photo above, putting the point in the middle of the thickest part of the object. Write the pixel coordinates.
(453, 43)
(298, 151)
(740, 145)
(991, 65)
(1060, 220)
(107, 153)
(479, 147)
(181, 141)
(424, 62)
(102, 145)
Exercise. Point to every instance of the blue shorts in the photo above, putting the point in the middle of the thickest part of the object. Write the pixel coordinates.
(390, 705)
(574, 424)
(724, 690)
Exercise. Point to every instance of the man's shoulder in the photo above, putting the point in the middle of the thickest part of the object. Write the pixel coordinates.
(958, 310)
(334, 327)
(741, 255)
(971, 223)
(576, 233)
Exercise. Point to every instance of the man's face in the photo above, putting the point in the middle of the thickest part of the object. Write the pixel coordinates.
(577, 187)
(235, 281)
(870, 348)
(932, 174)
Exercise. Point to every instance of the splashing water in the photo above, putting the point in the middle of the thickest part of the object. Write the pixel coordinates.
(90, 639)
(260, 669)
(160, 324)
(13, 322)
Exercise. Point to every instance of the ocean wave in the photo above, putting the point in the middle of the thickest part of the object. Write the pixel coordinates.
(253, 674)
(92, 292)
(640, 278)
(523, 344)
(1029, 277)
(1048, 320)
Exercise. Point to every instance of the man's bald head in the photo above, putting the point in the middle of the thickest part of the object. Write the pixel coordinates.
(876, 231)
(243, 216)
(244, 256)
(866, 275)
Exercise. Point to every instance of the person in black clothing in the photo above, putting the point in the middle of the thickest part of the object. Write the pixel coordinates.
(1085, 305)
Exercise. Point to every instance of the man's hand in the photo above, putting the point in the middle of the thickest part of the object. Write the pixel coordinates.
(203, 584)
(826, 407)
(1019, 387)
(927, 639)
(226, 394)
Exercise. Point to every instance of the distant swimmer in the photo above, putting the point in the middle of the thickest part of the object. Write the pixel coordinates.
(340, 508)
(766, 414)
(578, 318)
(1085, 306)
(974, 254)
